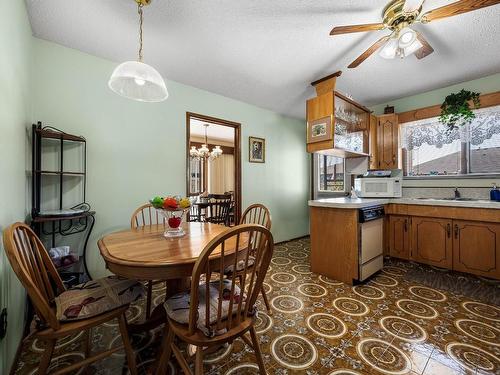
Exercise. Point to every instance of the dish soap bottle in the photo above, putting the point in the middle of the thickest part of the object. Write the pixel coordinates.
(495, 193)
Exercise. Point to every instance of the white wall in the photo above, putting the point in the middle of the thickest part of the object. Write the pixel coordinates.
(15, 61)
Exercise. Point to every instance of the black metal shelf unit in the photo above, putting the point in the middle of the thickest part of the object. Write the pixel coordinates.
(52, 227)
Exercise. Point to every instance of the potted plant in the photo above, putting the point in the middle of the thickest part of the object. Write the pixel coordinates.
(456, 111)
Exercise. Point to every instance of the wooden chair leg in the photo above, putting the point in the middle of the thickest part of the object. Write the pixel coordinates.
(266, 301)
(198, 369)
(149, 298)
(258, 354)
(165, 351)
(46, 357)
(129, 351)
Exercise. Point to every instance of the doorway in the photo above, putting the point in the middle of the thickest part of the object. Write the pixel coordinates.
(218, 173)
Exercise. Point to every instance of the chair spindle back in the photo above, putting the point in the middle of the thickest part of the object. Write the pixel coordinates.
(34, 268)
(234, 245)
(146, 215)
(257, 214)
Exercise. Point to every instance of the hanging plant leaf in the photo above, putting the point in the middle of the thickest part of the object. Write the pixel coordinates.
(455, 110)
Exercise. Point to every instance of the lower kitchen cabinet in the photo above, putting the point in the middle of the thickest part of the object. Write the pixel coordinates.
(399, 244)
(476, 248)
(431, 241)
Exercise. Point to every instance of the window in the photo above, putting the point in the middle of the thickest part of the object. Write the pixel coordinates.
(330, 173)
(430, 149)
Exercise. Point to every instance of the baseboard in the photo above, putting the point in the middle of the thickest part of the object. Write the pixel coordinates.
(292, 239)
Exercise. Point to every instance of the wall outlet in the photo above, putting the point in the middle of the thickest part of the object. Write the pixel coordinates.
(3, 323)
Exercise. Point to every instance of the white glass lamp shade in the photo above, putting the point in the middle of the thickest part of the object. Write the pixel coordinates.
(389, 50)
(406, 37)
(203, 150)
(216, 151)
(412, 48)
(193, 152)
(138, 81)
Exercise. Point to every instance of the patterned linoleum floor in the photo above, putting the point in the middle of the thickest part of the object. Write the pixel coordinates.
(390, 325)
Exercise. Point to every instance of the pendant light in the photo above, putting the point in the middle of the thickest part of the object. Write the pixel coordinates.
(135, 79)
(204, 152)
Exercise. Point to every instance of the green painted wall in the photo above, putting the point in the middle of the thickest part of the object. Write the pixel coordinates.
(15, 60)
(137, 150)
(483, 85)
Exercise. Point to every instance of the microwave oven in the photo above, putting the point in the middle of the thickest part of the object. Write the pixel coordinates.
(379, 184)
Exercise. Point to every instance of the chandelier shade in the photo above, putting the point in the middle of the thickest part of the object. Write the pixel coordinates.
(138, 81)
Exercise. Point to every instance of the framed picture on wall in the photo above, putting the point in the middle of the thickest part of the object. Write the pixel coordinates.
(256, 150)
(319, 130)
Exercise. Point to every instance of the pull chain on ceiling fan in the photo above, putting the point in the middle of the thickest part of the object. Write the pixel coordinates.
(398, 16)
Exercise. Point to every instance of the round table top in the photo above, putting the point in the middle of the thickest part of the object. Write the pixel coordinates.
(145, 254)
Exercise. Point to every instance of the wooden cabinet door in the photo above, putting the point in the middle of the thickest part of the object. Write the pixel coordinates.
(398, 236)
(476, 248)
(431, 241)
(387, 140)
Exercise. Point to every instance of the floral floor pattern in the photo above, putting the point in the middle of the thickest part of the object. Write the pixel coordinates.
(389, 325)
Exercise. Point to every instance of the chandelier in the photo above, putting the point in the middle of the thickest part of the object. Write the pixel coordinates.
(203, 152)
(136, 80)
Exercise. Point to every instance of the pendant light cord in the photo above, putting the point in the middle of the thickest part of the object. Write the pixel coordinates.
(139, 10)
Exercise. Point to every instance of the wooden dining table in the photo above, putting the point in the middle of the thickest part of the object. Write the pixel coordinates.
(143, 253)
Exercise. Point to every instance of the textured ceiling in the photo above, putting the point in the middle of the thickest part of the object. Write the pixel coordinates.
(267, 52)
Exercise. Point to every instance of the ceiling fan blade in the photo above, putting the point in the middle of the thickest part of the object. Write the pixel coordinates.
(412, 5)
(426, 48)
(369, 51)
(458, 7)
(357, 28)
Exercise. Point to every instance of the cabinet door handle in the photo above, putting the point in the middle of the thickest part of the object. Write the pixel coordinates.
(406, 225)
(448, 229)
(456, 231)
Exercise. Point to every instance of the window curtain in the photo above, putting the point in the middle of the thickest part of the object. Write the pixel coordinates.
(486, 124)
(221, 174)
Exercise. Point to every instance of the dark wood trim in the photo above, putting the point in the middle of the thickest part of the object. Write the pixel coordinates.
(487, 100)
(237, 154)
(336, 74)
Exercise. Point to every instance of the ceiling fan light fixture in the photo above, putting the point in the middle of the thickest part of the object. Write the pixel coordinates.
(412, 48)
(407, 37)
(412, 5)
(389, 50)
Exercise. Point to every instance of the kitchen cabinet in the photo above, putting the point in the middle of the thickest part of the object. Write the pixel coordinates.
(387, 141)
(399, 244)
(373, 148)
(336, 124)
(431, 241)
(476, 248)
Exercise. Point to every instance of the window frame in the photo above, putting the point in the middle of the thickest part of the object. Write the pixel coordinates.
(465, 150)
(320, 194)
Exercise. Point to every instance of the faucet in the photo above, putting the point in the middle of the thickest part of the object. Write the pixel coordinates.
(457, 193)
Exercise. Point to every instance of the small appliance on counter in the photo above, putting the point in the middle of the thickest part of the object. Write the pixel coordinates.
(380, 184)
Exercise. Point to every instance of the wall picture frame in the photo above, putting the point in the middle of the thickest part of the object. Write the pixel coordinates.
(256, 150)
(319, 130)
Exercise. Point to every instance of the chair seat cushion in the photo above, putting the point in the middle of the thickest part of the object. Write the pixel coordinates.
(96, 297)
(239, 266)
(177, 306)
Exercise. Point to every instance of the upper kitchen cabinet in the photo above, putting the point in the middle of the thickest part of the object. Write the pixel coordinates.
(387, 140)
(336, 125)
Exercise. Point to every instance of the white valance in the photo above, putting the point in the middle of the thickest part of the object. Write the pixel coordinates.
(484, 126)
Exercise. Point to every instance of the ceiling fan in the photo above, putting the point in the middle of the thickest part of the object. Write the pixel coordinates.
(398, 16)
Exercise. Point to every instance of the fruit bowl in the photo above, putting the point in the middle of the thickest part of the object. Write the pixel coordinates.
(173, 210)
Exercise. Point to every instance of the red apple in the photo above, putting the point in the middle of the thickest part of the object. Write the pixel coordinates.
(174, 222)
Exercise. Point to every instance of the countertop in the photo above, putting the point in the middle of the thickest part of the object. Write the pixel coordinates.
(345, 202)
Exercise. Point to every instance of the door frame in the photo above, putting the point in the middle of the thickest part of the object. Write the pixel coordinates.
(237, 155)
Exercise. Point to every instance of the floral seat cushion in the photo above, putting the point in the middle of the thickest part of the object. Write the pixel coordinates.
(177, 306)
(239, 266)
(96, 297)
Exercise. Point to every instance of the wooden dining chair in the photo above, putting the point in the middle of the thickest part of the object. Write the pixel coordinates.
(254, 214)
(32, 265)
(219, 208)
(146, 215)
(218, 310)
